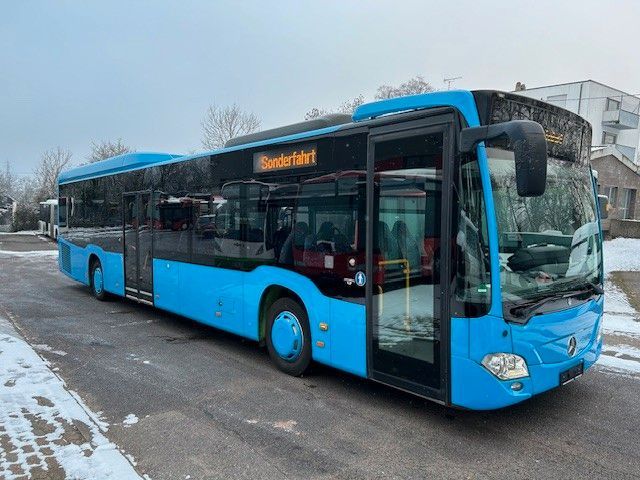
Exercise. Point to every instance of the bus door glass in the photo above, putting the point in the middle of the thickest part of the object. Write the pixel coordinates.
(405, 318)
(138, 246)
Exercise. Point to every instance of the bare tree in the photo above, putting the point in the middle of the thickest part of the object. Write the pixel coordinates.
(7, 181)
(107, 149)
(350, 106)
(315, 112)
(52, 163)
(221, 124)
(412, 86)
(26, 191)
(347, 107)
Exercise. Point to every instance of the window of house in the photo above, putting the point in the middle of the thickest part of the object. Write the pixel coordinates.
(609, 138)
(626, 210)
(612, 104)
(611, 193)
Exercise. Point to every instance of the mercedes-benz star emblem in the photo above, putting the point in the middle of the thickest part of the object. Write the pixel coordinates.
(571, 347)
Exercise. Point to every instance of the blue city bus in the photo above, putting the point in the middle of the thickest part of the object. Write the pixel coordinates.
(447, 244)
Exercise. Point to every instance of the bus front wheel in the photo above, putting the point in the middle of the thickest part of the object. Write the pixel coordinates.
(96, 281)
(288, 336)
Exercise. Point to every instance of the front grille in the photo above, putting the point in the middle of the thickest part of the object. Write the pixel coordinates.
(65, 257)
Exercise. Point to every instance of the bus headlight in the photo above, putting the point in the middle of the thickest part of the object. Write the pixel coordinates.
(506, 366)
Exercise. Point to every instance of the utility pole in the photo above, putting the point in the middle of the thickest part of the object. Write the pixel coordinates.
(449, 81)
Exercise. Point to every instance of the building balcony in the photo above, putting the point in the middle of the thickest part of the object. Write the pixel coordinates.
(620, 119)
(628, 152)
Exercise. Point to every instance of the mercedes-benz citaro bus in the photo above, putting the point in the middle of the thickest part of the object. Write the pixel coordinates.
(447, 244)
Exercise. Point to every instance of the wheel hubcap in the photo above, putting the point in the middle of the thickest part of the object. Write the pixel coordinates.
(286, 336)
(97, 280)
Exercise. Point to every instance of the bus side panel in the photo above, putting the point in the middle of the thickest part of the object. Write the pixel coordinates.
(72, 261)
(113, 268)
(460, 337)
(77, 265)
(209, 295)
(342, 345)
(348, 337)
(316, 304)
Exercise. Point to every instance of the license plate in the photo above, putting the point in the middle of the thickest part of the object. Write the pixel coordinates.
(571, 374)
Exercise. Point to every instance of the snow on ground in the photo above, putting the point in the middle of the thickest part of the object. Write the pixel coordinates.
(30, 253)
(129, 420)
(46, 431)
(43, 347)
(621, 322)
(621, 255)
(22, 232)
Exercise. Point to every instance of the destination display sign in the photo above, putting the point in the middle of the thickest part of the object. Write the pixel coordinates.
(285, 159)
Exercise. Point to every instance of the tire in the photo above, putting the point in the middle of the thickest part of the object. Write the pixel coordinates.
(288, 336)
(96, 281)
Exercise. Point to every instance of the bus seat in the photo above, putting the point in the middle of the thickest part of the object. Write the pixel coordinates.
(295, 238)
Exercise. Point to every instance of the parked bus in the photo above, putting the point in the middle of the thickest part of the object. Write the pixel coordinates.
(447, 244)
(48, 218)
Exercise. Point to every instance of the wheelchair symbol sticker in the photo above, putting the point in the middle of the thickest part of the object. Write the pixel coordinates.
(361, 279)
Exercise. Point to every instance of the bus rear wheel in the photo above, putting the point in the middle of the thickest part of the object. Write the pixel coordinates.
(288, 336)
(96, 281)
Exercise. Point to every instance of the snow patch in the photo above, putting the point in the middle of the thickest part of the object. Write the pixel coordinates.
(619, 316)
(22, 232)
(129, 420)
(620, 365)
(135, 358)
(286, 425)
(621, 255)
(48, 426)
(46, 348)
(620, 319)
(30, 253)
(621, 358)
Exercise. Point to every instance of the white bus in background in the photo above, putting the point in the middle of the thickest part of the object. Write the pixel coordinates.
(48, 221)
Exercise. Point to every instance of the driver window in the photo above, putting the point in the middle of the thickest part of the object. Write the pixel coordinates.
(471, 251)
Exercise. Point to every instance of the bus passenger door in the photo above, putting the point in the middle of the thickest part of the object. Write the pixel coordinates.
(407, 318)
(137, 246)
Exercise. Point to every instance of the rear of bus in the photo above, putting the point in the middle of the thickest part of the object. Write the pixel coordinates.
(549, 250)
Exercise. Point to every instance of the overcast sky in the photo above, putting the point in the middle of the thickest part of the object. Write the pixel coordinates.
(145, 71)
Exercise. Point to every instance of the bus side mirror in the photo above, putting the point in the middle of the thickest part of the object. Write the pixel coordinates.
(529, 146)
(603, 205)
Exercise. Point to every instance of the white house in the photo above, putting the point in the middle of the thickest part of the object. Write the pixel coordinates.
(612, 113)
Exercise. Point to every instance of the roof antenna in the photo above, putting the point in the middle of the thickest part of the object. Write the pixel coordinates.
(449, 81)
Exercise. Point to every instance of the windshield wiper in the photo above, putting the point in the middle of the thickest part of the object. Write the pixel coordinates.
(578, 287)
(522, 311)
(597, 289)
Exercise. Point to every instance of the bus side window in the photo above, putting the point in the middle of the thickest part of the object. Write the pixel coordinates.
(471, 252)
(62, 211)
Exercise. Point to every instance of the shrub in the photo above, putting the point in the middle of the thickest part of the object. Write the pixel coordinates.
(25, 218)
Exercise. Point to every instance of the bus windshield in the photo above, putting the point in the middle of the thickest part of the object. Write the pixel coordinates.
(548, 244)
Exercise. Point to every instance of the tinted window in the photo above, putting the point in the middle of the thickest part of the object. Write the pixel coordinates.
(174, 212)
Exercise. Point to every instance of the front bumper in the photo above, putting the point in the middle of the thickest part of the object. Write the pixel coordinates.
(477, 389)
(474, 387)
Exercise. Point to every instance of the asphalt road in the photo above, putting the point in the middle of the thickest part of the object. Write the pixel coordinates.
(211, 405)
